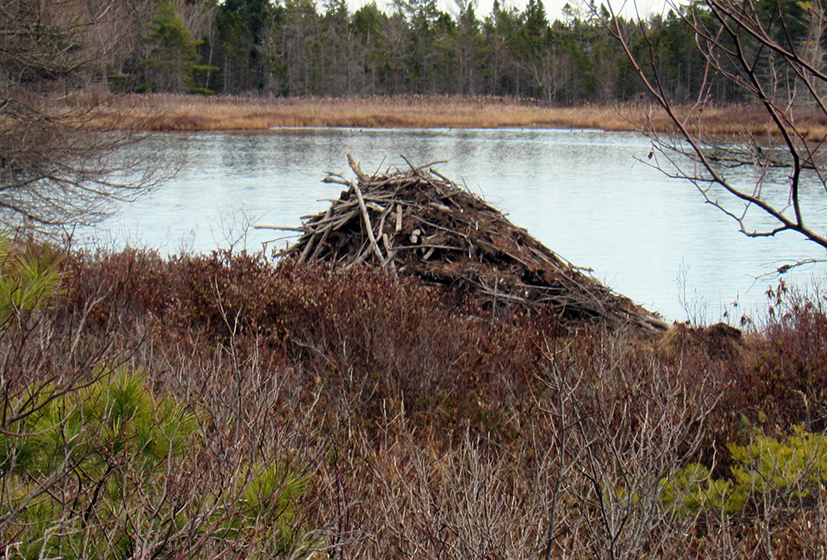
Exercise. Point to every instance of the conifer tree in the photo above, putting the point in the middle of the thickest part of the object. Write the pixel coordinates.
(171, 65)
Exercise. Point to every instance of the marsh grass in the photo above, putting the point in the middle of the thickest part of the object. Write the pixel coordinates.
(179, 113)
(191, 113)
(234, 113)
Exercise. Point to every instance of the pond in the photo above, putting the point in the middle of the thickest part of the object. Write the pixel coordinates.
(583, 193)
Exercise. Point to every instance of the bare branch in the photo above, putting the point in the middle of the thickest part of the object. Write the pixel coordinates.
(775, 63)
(62, 154)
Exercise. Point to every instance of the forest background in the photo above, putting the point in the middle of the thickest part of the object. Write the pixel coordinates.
(301, 48)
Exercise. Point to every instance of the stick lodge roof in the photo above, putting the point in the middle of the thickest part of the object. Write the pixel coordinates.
(416, 222)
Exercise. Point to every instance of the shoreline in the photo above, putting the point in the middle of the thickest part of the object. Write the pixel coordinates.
(190, 113)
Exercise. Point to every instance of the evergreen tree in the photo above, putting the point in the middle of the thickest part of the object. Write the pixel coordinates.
(367, 26)
(501, 30)
(171, 66)
(531, 45)
(291, 48)
(337, 50)
(241, 25)
(471, 49)
(301, 44)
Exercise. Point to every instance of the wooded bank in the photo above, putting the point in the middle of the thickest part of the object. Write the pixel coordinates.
(299, 48)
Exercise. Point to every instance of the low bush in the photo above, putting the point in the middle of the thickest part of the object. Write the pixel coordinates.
(786, 473)
(108, 470)
(284, 411)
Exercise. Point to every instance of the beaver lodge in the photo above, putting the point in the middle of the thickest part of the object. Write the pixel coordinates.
(416, 222)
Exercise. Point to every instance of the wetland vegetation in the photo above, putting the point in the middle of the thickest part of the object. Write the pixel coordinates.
(226, 405)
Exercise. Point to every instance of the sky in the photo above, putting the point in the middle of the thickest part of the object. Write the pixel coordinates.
(553, 7)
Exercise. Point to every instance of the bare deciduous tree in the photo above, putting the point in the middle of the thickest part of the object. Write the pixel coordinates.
(770, 53)
(61, 153)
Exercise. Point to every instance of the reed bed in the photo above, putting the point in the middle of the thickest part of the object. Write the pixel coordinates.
(189, 113)
(184, 113)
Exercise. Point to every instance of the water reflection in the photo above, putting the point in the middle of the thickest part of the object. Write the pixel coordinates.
(581, 193)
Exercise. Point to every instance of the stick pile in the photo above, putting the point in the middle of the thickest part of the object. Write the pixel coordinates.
(417, 222)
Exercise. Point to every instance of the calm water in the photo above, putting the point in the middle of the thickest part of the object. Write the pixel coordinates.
(581, 193)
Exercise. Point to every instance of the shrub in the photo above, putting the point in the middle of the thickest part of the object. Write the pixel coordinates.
(348, 411)
(86, 469)
(787, 471)
(28, 279)
(767, 473)
(108, 470)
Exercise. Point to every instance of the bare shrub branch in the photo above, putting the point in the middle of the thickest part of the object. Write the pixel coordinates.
(62, 157)
(771, 54)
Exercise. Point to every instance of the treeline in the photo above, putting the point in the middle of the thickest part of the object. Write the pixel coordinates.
(301, 48)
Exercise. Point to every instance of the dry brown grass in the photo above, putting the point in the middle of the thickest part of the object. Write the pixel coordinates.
(189, 113)
(183, 113)
(738, 119)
